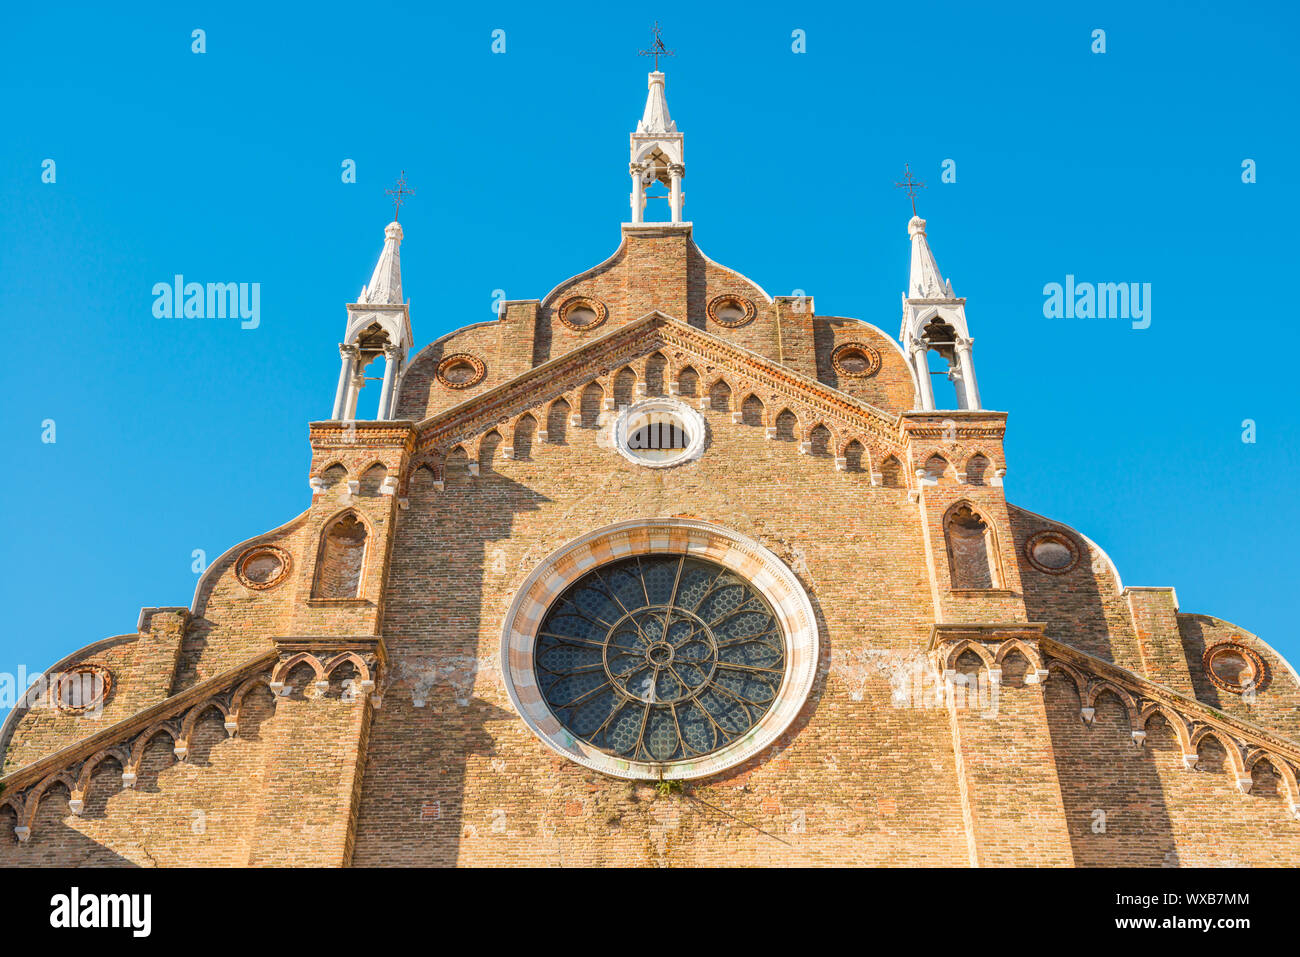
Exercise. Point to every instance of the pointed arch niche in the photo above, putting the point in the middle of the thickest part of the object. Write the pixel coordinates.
(973, 558)
(341, 561)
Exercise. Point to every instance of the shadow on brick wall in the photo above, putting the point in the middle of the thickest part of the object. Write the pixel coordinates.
(432, 724)
(1115, 803)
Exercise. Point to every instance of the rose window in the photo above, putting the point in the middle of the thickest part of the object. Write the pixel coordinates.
(660, 658)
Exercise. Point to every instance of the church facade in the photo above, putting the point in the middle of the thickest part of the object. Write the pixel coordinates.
(660, 569)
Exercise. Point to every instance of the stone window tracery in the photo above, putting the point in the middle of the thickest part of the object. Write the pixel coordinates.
(660, 649)
(660, 658)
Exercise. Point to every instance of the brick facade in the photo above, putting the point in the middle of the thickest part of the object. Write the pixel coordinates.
(1055, 718)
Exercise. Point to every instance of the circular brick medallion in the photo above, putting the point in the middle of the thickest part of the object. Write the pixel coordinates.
(461, 370)
(857, 360)
(262, 567)
(82, 688)
(731, 311)
(1234, 668)
(1052, 552)
(581, 313)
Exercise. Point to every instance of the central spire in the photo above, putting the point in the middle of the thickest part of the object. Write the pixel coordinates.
(934, 320)
(657, 147)
(658, 153)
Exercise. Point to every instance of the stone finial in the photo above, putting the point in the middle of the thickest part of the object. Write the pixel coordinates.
(655, 118)
(385, 285)
(924, 279)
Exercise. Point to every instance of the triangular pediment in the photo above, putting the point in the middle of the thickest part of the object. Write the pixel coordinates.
(655, 331)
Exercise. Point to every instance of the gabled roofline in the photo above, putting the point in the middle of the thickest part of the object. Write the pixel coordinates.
(586, 272)
(887, 423)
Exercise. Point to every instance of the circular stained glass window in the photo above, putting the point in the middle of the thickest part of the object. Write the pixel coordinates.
(660, 658)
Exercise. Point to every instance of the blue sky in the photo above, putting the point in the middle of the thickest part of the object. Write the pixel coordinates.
(174, 435)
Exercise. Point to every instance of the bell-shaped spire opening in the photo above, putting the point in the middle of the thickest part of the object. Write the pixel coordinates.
(379, 328)
(934, 333)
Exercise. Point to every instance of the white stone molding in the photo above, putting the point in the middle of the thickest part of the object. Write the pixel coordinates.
(647, 411)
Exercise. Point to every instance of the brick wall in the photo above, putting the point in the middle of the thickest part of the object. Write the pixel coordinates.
(445, 772)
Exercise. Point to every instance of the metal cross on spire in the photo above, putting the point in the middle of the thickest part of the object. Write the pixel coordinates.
(398, 193)
(910, 185)
(657, 48)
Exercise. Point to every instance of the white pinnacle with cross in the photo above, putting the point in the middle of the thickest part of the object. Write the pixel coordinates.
(934, 320)
(379, 324)
(657, 153)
